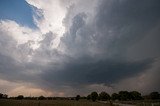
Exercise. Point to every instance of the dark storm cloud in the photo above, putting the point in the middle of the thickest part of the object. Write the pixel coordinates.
(118, 25)
(128, 22)
(12, 70)
(102, 72)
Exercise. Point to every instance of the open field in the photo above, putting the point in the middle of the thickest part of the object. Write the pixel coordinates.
(10, 102)
(49, 103)
(135, 103)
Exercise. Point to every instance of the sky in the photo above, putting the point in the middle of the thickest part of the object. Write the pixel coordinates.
(70, 47)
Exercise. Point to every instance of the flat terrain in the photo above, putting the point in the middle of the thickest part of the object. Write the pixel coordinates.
(49, 103)
(10, 102)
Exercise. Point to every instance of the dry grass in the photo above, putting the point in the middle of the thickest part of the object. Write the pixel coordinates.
(49, 103)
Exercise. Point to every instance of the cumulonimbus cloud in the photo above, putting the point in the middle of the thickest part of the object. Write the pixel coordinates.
(88, 44)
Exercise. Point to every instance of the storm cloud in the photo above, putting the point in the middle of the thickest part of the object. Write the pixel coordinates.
(90, 45)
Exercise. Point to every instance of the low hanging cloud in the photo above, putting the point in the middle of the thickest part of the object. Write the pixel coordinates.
(86, 45)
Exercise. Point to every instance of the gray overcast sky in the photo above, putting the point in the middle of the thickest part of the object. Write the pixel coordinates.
(69, 47)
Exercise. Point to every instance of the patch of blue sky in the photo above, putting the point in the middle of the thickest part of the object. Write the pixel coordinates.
(18, 11)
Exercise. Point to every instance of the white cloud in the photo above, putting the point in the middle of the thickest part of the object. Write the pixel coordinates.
(21, 34)
(51, 17)
(18, 42)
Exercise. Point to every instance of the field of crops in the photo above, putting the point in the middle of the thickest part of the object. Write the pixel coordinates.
(49, 103)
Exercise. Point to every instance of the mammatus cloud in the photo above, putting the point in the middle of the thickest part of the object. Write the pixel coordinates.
(95, 45)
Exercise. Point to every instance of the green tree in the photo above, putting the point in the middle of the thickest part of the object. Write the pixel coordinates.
(88, 97)
(1, 95)
(94, 96)
(20, 97)
(77, 97)
(104, 96)
(135, 95)
(124, 95)
(115, 96)
(154, 95)
(5, 96)
(41, 98)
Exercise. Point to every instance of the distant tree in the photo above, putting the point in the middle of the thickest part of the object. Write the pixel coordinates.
(77, 97)
(5, 96)
(104, 96)
(154, 95)
(49, 98)
(72, 98)
(115, 96)
(41, 98)
(28, 98)
(124, 95)
(135, 95)
(88, 97)
(1, 95)
(20, 97)
(83, 97)
(94, 96)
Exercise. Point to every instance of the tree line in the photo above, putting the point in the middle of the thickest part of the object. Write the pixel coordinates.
(3, 96)
(103, 96)
(122, 96)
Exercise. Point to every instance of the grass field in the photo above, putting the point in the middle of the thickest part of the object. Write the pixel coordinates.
(10, 102)
(49, 103)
